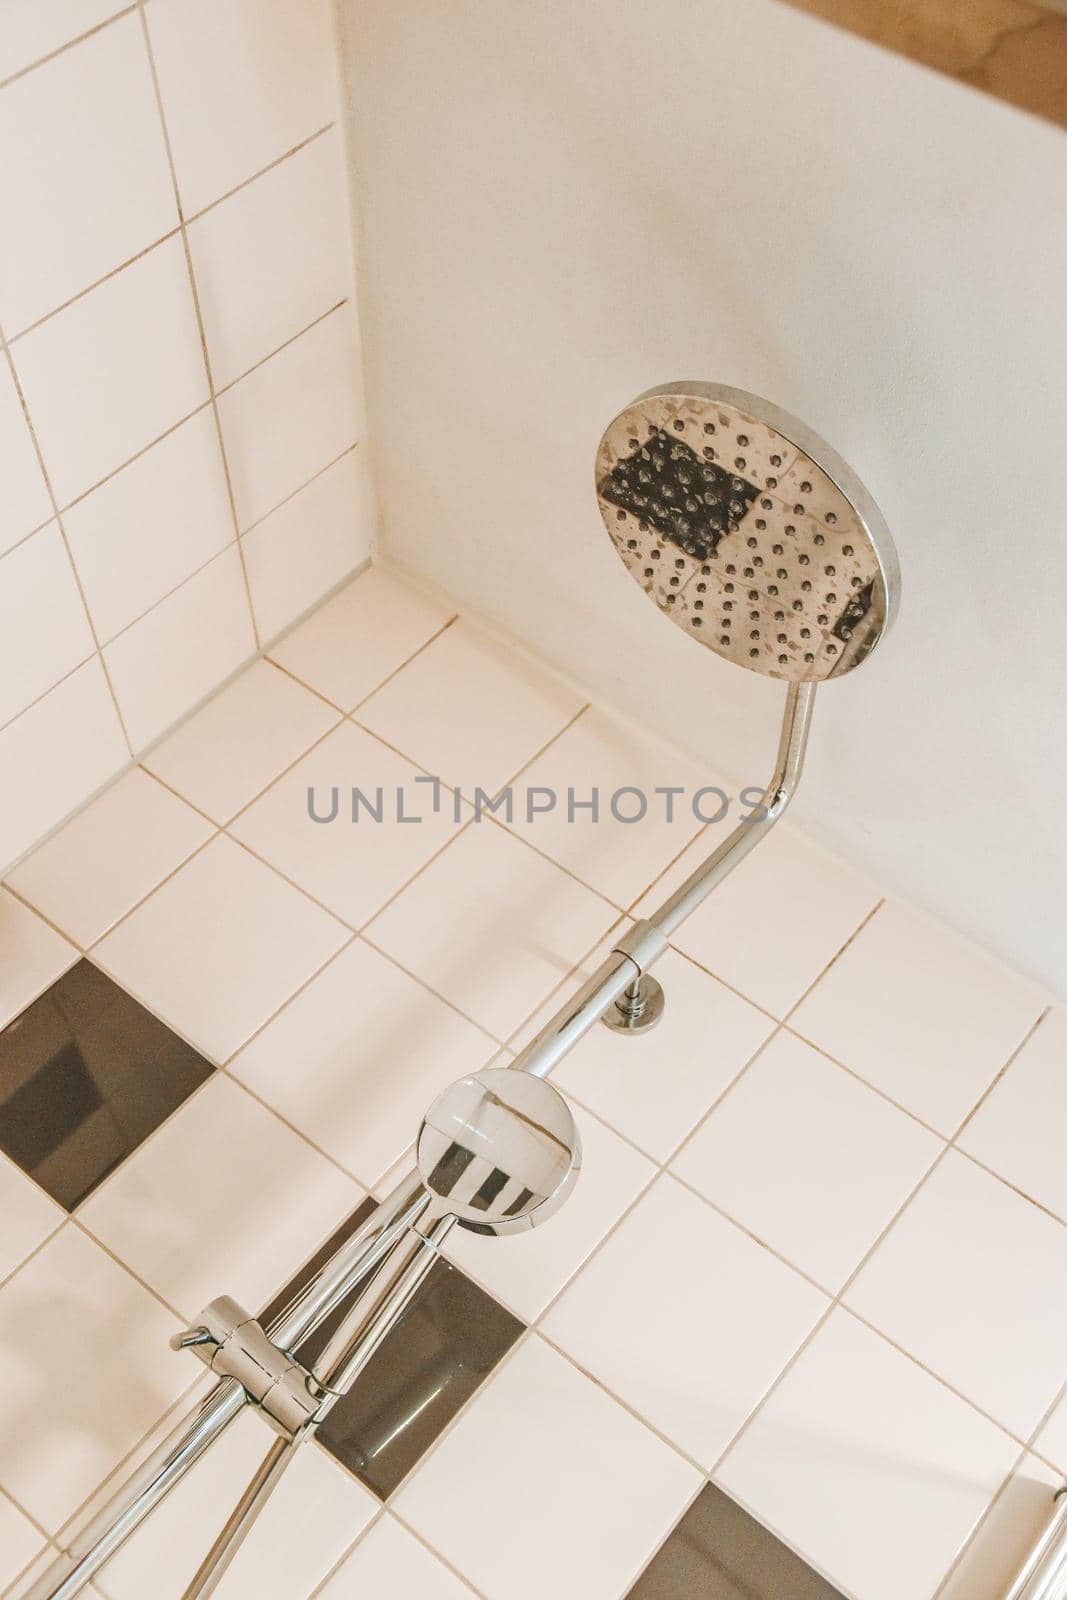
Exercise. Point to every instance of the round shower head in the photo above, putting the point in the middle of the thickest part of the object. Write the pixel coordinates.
(500, 1150)
(747, 530)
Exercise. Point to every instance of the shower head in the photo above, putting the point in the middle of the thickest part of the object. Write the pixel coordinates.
(499, 1150)
(747, 530)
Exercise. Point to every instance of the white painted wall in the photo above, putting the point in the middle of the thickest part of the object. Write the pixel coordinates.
(563, 204)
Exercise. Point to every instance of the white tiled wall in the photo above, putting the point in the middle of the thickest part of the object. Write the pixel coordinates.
(181, 414)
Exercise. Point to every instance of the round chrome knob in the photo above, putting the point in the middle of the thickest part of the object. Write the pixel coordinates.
(499, 1150)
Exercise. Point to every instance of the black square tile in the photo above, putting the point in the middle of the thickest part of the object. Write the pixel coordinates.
(719, 1552)
(86, 1074)
(443, 1348)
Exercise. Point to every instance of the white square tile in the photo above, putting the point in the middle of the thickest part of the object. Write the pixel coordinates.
(492, 925)
(19, 1541)
(91, 186)
(470, 710)
(304, 1529)
(685, 1318)
(109, 856)
(525, 1271)
(390, 1564)
(44, 632)
(998, 1551)
(25, 504)
(972, 1280)
(169, 659)
(272, 257)
(772, 926)
(369, 1068)
(351, 866)
(144, 531)
(1052, 1440)
(808, 1158)
(617, 858)
(290, 417)
(310, 544)
(113, 371)
(29, 30)
(243, 81)
(353, 642)
(223, 1199)
(581, 1496)
(867, 1465)
(1018, 1128)
(32, 955)
(27, 1217)
(236, 744)
(86, 1371)
(55, 755)
(219, 947)
(656, 1089)
(926, 1017)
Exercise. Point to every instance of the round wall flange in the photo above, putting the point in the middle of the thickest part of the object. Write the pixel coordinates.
(639, 1008)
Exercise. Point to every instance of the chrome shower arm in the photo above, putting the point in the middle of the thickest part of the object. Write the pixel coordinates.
(635, 953)
(792, 744)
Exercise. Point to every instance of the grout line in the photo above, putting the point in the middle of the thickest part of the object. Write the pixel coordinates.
(231, 383)
(198, 312)
(66, 542)
(142, 755)
(376, 1517)
(691, 1135)
(179, 422)
(490, 1037)
(643, 1568)
(113, 472)
(39, 1527)
(87, 289)
(194, 216)
(24, 538)
(41, 1244)
(168, 594)
(467, 1582)
(972, 1537)
(68, 44)
(183, 1318)
(306, 684)
(348, 450)
(839, 1297)
(92, 655)
(625, 1405)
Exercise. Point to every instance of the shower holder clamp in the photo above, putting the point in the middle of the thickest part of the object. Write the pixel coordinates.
(233, 1344)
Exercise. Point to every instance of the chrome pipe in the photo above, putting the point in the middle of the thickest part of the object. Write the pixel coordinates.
(209, 1574)
(611, 979)
(140, 1494)
(373, 1316)
(183, 1447)
(792, 744)
(615, 975)
(349, 1264)
(1044, 1577)
(382, 1311)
